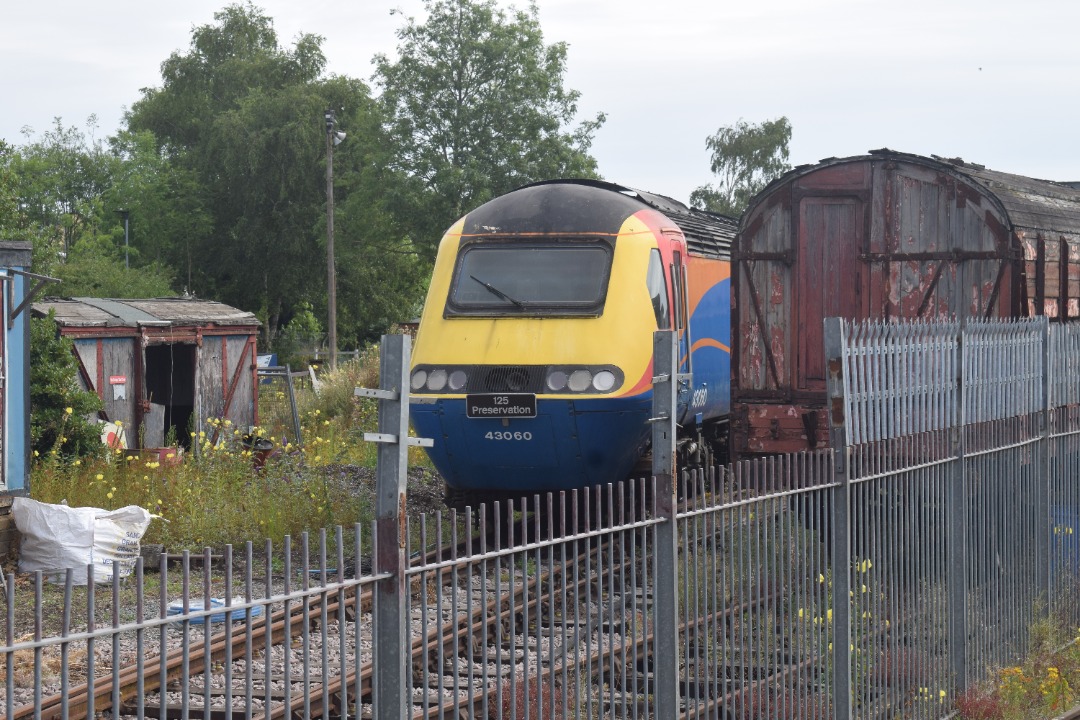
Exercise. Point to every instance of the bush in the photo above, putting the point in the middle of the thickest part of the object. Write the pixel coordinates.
(60, 412)
(1041, 686)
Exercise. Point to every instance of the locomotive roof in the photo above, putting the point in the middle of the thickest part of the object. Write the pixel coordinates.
(707, 233)
(1029, 203)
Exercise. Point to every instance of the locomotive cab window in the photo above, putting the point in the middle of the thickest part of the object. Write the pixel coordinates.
(658, 291)
(530, 279)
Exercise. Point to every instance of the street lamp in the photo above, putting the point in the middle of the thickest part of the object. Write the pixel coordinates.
(332, 139)
(125, 214)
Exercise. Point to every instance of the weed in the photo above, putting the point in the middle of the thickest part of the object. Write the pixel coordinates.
(222, 491)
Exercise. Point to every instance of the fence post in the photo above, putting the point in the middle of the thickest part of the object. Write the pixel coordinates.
(1044, 522)
(292, 404)
(389, 628)
(841, 520)
(666, 560)
(956, 531)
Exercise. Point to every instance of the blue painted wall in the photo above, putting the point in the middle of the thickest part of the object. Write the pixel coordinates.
(16, 369)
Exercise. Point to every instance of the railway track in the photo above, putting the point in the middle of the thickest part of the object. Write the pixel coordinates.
(507, 606)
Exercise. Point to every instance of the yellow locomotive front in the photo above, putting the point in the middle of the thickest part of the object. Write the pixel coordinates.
(532, 367)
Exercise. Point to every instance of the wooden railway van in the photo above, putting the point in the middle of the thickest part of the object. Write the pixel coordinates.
(881, 236)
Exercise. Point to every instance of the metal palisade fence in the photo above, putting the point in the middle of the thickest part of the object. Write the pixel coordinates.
(876, 580)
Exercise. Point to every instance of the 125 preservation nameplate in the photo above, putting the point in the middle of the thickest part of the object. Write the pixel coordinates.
(501, 405)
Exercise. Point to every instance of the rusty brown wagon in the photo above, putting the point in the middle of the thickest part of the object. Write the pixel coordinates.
(882, 236)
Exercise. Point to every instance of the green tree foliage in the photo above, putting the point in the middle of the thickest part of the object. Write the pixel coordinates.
(60, 411)
(476, 107)
(95, 268)
(168, 218)
(59, 179)
(68, 192)
(300, 336)
(10, 217)
(242, 117)
(746, 158)
(240, 120)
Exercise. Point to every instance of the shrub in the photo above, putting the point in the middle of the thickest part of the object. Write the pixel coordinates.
(60, 412)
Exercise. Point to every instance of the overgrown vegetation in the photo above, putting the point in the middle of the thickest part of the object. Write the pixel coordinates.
(59, 410)
(1044, 685)
(224, 491)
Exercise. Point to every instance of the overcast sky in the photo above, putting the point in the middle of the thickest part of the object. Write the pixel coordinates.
(993, 81)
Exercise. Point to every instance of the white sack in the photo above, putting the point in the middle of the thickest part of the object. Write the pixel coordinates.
(58, 537)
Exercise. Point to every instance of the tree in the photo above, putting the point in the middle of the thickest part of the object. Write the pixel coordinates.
(60, 175)
(95, 268)
(476, 107)
(167, 207)
(240, 120)
(60, 411)
(10, 217)
(746, 158)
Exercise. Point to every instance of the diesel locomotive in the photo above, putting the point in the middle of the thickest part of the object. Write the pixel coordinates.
(532, 366)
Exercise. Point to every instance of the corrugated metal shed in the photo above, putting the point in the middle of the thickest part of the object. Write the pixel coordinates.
(163, 366)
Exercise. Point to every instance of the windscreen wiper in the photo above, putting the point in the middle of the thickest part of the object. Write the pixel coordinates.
(499, 293)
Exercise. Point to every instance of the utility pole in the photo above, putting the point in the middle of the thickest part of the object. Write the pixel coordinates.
(332, 139)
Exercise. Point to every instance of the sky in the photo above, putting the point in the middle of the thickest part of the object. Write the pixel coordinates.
(996, 82)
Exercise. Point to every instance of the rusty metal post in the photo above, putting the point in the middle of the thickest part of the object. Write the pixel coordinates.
(841, 519)
(666, 653)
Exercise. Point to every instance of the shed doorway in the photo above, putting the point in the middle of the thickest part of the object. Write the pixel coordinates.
(170, 391)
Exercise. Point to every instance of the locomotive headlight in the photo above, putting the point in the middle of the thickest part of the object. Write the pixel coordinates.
(603, 381)
(556, 381)
(418, 379)
(457, 380)
(436, 380)
(580, 380)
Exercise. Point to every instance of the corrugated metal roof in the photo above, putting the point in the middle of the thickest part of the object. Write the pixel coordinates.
(154, 312)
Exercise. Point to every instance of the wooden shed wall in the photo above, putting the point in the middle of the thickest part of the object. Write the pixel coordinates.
(103, 358)
(225, 374)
